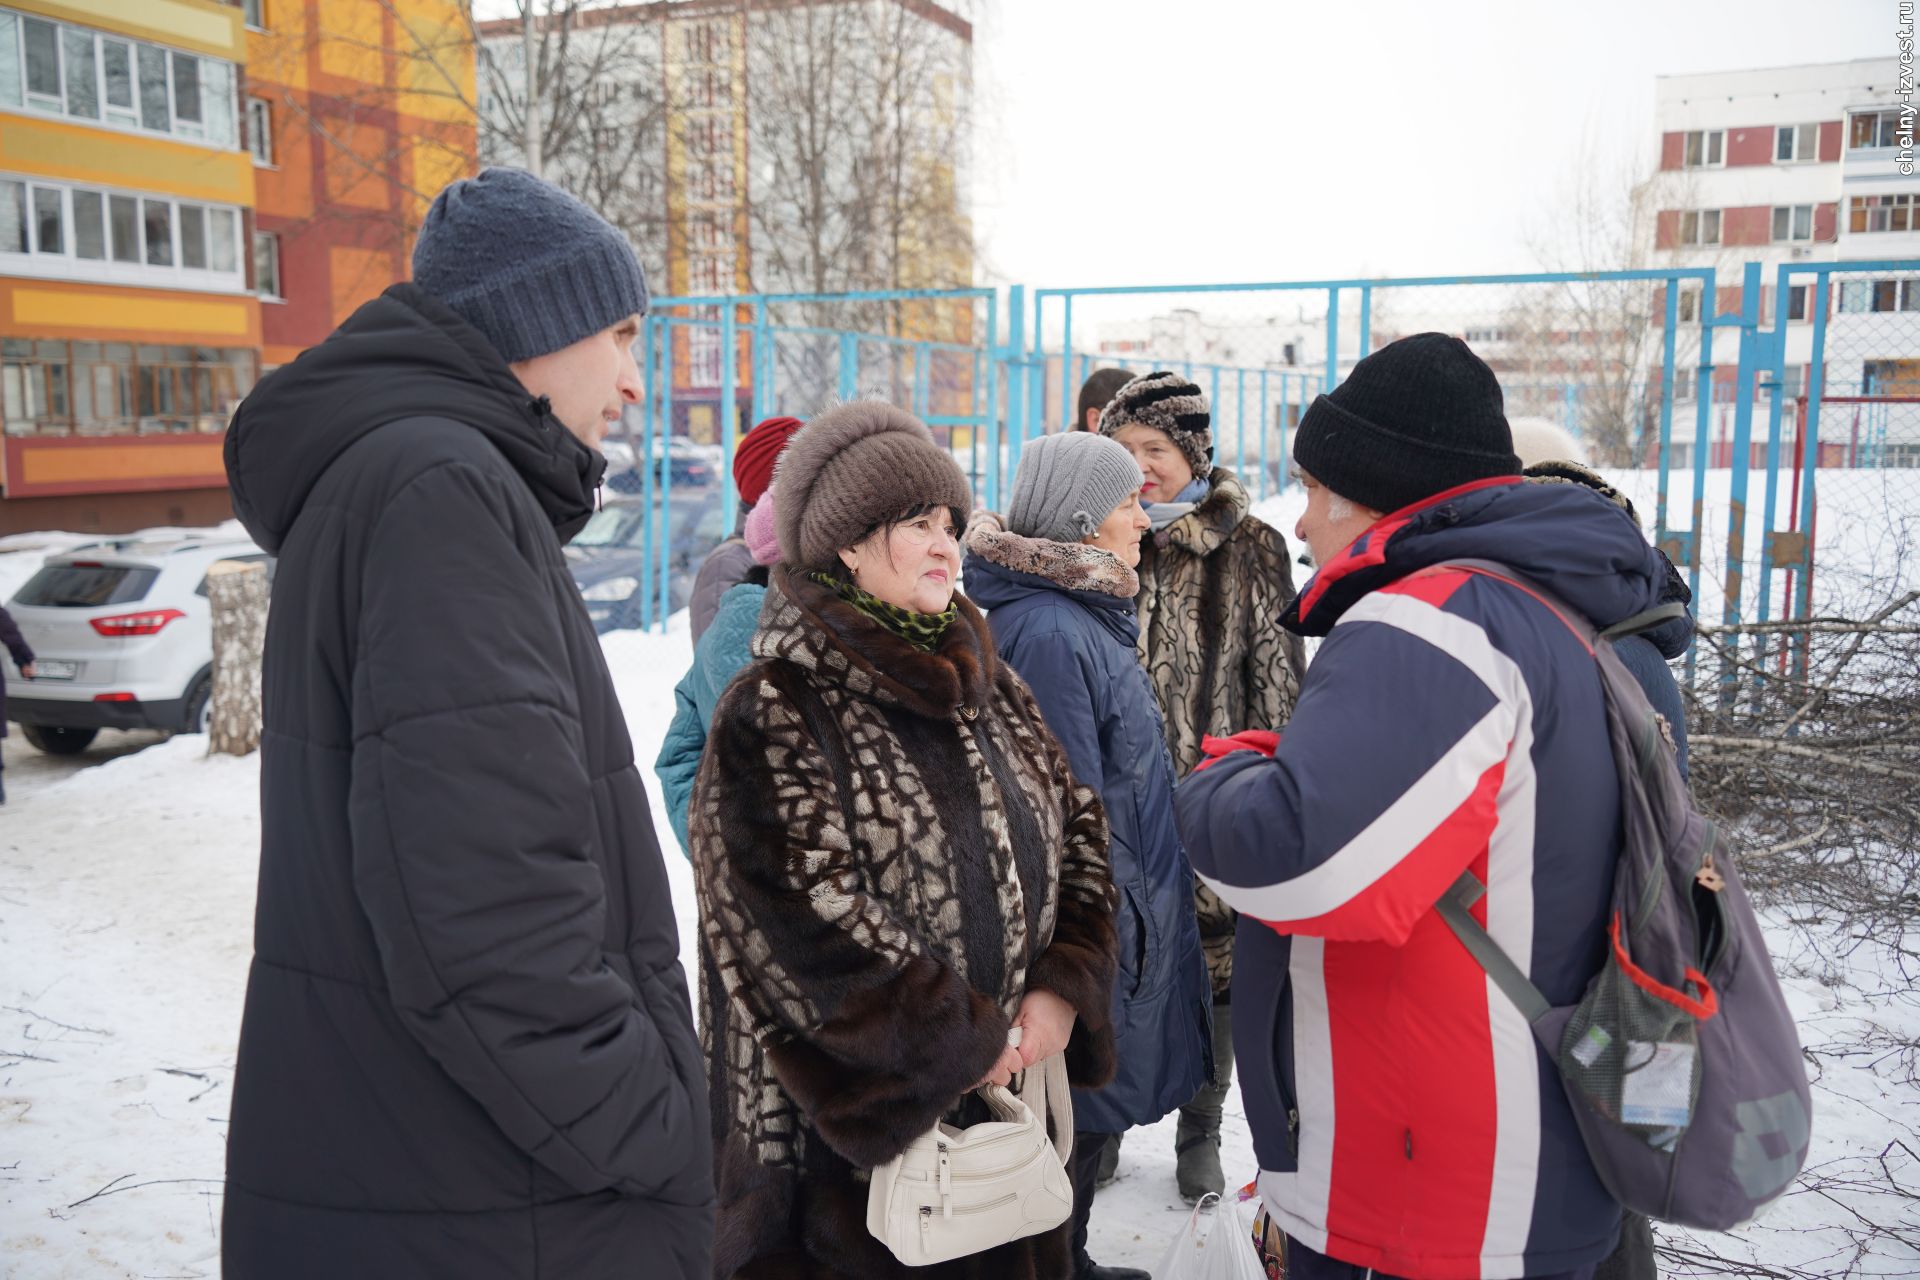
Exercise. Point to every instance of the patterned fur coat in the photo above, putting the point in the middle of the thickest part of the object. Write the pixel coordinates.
(890, 850)
(1212, 587)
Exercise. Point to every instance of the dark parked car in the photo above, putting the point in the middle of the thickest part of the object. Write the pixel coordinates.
(614, 565)
(686, 465)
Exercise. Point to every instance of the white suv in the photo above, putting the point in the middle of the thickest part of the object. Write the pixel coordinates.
(122, 637)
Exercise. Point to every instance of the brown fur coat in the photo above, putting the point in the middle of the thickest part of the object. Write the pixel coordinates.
(1212, 587)
(890, 851)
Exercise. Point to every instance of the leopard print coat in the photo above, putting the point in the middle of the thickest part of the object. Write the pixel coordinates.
(1212, 587)
(889, 850)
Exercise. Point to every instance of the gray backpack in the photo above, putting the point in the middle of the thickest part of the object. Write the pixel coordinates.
(1680, 1061)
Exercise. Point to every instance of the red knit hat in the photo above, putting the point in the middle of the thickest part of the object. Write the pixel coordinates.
(758, 450)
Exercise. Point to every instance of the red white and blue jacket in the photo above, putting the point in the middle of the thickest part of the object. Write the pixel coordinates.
(1403, 1116)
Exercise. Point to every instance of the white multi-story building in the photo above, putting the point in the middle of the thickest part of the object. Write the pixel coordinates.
(1796, 165)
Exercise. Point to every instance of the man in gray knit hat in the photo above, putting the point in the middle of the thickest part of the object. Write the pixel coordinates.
(467, 1047)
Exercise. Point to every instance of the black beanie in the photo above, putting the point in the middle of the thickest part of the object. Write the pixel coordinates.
(1415, 418)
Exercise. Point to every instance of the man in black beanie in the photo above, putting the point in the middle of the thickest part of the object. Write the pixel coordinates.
(1450, 723)
(467, 1048)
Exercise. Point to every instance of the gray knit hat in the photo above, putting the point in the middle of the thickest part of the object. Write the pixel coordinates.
(1169, 403)
(1067, 484)
(529, 266)
(853, 468)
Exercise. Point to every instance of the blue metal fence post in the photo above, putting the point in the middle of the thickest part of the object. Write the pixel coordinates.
(1016, 390)
(849, 366)
(1823, 301)
(1333, 340)
(1666, 410)
(651, 329)
(1262, 442)
(663, 578)
(1066, 365)
(1774, 353)
(729, 415)
(1742, 441)
(762, 362)
(990, 417)
(1366, 320)
(1240, 417)
(1213, 402)
(1703, 428)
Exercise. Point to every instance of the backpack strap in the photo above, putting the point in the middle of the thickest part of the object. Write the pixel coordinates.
(1645, 621)
(1455, 907)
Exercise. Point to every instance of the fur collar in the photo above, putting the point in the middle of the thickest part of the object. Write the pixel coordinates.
(1071, 566)
(810, 626)
(1202, 531)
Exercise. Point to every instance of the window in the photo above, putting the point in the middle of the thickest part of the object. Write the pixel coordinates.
(90, 75)
(1882, 213)
(49, 221)
(123, 215)
(256, 13)
(1702, 227)
(1868, 129)
(223, 240)
(83, 80)
(110, 388)
(41, 41)
(260, 130)
(156, 223)
(1689, 303)
(1794, 144)
(116, 61)
(266, 265)
(1705, 148)
(13, 217)
(193, 236)
(1793, 222)
(1797, 297)
(89, 225)
(1855, 295)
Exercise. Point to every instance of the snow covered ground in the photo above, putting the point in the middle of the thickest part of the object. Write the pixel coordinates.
(126, 896)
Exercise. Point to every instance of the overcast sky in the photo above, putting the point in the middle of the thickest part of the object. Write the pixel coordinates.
(1175, 141)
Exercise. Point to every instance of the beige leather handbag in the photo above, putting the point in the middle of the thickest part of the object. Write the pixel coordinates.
(955, 1192)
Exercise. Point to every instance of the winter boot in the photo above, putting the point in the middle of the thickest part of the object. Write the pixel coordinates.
(1109, 1162)
(1196, 1143)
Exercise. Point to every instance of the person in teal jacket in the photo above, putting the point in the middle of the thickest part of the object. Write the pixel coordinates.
(723, 650)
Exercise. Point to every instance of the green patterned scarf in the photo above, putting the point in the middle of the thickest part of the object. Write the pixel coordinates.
(923, 631)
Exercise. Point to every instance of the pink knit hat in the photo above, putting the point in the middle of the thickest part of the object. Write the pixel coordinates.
(763, 537)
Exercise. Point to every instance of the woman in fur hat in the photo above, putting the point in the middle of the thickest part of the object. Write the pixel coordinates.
(1214, 580)
(1057, 579)
(895, 867)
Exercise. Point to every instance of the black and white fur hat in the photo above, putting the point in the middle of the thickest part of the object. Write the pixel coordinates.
(1169, 403)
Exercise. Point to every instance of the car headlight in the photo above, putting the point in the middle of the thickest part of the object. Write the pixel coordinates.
(611, 589)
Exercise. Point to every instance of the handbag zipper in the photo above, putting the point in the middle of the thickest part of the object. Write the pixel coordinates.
(926, 1210)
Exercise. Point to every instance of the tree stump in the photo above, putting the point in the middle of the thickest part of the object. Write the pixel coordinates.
(238, 593)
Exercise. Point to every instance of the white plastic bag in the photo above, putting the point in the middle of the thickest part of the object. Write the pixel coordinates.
(1216, 1244)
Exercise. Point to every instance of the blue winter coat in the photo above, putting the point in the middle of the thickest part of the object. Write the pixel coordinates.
(1075, 650)
(723, 650)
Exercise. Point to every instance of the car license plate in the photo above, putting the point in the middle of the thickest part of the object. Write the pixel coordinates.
(54, 669)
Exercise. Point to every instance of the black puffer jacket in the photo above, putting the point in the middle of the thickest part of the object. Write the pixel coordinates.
(467, 1048)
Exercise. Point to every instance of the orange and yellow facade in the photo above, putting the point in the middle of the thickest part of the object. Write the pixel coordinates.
(192, 191)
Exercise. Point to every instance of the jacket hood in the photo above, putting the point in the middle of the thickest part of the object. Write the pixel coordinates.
(1005, 570)
(405, 354)
(1568, 539)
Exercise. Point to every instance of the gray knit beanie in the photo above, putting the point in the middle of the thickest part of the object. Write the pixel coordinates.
(529, 266)
(1067, 484)
(851, 469)
(1166, 402)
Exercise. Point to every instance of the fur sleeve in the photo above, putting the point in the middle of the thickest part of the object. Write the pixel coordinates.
(1276, 659)
(873, 1037)
(1078, 964)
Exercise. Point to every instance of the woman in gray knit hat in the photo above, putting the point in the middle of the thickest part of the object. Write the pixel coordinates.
(1214, 580)
(895, 866)
(1057, 578)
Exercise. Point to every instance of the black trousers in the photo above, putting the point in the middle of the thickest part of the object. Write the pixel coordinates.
(1083, 1168)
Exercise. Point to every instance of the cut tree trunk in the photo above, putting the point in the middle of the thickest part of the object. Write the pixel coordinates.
(238, 594)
